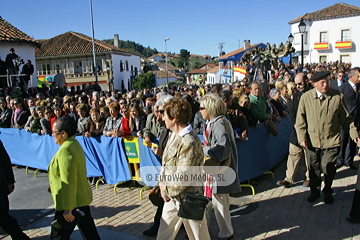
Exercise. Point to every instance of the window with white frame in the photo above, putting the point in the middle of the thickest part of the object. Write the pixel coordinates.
(345, 35)
(323, 37)
(345, 58)
(322, 58)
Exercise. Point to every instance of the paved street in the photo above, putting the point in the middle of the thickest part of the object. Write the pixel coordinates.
(278, 213)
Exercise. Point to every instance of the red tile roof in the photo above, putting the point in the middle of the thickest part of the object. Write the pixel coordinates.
(170, 67)
(162, 74)
(338, 10)
(198, 71)
(213, 70)
(9, 33)
(72, 43)
(235, 52)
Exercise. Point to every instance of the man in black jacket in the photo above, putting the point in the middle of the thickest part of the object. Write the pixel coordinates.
(352, 100)
(11, 67)
(7, 180)
(27, 69)
(295, 151)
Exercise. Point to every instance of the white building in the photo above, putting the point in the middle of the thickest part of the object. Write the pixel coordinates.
(213, 75)
(331, 34)
(162, 79)
(11, 37)
(71, 54)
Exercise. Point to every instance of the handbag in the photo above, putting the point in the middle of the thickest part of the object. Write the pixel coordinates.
(154, 196)
(217, 167)
(192, 206)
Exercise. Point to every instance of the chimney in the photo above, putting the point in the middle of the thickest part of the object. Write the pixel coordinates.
(116, 40)
(246, 44)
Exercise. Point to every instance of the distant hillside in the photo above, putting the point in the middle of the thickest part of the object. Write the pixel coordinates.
(134, 47)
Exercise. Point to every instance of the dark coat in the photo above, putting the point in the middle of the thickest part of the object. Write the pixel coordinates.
(334, 85)
(142, 123)
(90, 126)
(5, 121)
(352, 101)
(6, 173)
(293, 110)
(21, 120)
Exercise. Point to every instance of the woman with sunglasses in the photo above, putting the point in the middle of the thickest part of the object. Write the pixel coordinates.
(45, 121)
(20, 114)
(69, 186)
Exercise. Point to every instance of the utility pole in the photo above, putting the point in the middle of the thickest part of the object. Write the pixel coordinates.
(93, 43)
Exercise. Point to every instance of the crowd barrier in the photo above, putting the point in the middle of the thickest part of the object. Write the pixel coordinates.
(106, 156)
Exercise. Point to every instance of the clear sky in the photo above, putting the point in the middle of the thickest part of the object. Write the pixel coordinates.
(195, 25)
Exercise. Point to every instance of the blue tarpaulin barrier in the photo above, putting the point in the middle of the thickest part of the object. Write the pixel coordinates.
(106, 157)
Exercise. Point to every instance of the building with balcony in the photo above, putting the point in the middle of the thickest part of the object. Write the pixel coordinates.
(331, 34)
(71, 53)
(24, 45)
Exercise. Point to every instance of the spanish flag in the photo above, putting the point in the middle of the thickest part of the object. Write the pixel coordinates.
(345, 44)
(240, 70)
(321, 45)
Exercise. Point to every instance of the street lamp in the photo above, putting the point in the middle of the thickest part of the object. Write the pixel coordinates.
(291, 39)
(166, 63)
(302, 27)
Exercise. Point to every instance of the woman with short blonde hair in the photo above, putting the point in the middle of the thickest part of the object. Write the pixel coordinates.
(219, 144)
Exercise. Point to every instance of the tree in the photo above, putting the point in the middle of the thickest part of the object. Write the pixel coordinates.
(144, 80)
(184, 56)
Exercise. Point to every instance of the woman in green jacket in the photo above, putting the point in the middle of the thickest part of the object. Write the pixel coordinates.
(68, 184)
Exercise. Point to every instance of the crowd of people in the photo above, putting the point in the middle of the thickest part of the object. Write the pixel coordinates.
(220, 112)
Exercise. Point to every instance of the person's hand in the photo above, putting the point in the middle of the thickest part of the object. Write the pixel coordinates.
(42, 132)
(148, 141)
(278, 119)
(139, 134)
(120, 133)
(155, 149)
(357, 140)
(11, 187)
(161, 185)
(285, 113)
(244, 135)
(87, 134)
(303, 144)
(68, 216)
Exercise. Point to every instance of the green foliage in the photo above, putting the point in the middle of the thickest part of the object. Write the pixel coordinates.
(134, 47)
(144, 80)
(184, 58)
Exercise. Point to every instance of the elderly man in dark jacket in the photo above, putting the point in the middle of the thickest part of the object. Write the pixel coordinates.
(7, 222)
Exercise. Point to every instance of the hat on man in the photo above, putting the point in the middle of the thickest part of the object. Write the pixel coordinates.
(320, 75)
(12, 50)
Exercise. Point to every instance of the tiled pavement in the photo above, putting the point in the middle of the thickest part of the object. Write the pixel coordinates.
(281, 213)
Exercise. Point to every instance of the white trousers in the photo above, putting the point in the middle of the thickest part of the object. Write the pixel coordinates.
(221, 205)
(170, 224)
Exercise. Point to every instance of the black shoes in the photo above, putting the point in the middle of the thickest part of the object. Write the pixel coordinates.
(328, 199)
(284, 183)
(312, 197)
(151, 231)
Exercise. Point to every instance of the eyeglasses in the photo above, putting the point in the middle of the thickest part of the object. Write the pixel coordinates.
(340, 75)
(160, 111)
(238, 86)
(299, 84)
(122, 103)
(56, 132)
(201, 108)
(243, 85)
